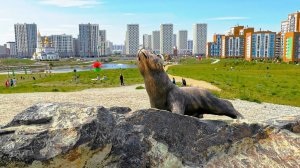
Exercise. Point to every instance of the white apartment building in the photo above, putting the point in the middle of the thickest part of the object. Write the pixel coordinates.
(174, 42)
(102, 43)
(26, 39)
(147, 42)
(166, 39)
(12, 49)
(182, 40)
(63, 45)
(88, 40)
(199, 39)
(155, 42)
(132, 39)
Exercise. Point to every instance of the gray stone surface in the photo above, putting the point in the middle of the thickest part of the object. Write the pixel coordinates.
(73, 135)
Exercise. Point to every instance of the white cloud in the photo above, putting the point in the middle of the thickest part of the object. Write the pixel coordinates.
(72, 3)
(229, 18)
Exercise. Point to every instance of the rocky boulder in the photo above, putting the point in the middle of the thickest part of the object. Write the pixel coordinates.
(72, 135)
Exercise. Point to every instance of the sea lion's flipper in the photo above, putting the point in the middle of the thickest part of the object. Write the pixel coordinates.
(177, 107)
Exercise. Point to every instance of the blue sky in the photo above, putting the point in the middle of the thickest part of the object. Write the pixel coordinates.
(63, 16)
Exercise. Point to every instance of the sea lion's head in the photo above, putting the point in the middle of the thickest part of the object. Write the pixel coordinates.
(148, 61)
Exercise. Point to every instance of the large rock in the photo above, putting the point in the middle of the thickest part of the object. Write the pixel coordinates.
(71, 135)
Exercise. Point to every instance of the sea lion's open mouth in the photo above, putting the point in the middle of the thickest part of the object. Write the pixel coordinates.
(141, 51)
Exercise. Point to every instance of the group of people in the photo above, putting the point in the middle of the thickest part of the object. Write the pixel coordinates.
(183, 82)
(11, 83)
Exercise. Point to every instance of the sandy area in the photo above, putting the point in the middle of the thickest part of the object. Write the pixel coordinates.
(128, 96)
(192, 82)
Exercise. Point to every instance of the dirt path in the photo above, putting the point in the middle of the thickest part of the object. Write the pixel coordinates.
(193, 82)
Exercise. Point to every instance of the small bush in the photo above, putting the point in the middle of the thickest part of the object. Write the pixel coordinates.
(139, 88)
(55, 90)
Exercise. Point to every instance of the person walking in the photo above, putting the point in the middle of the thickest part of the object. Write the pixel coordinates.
(122, 80)
(174, 81)
(11, 83)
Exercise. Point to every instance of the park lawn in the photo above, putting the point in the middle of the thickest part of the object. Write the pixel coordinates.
(251, 81)
(16, 62)
(63, 82)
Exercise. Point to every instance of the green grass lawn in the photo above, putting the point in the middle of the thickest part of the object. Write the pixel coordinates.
(15, 62)
(251, 81)
(64, 83)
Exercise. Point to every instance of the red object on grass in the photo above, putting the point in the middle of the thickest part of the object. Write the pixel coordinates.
(97, 65)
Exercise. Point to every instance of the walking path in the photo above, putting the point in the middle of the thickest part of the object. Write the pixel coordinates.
(193, 82)
(127, 96)
(215, 61)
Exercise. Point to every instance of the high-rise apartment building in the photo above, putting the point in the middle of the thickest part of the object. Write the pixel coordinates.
(88, 40)
(26, 39)
(291, 51)
(174, 42)
(278, 46)
(260, 45)
(147, 42)
(76, 47)
(166, 39)
(155, 42)
(190, 46)
(12, 49)
(234, 44)
(182, 40)
(214, 49)
(103, 44)
(292, 24)
(199, 39)
(63, 45)
(132, 39)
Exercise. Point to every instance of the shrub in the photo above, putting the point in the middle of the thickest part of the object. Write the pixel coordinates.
(139, 88)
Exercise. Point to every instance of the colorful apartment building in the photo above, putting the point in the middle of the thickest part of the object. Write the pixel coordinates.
(260, 45)
(233, 44)
(291, 47)
(214, 49)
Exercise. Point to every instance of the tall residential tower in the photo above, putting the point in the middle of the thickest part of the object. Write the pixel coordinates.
(166, 38)
(132, 39)
(88, 40)
(199, 39)
(26, 39)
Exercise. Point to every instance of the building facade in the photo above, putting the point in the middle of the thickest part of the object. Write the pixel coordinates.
(3, 51)
(174, 42)
(214, 49)
(182, 40)
(166, 39)
(102, 43)
(76, 47)
(199, 39)
(26, 39)
(233, 46)
(292, 47)
(132, 39)
(63, 45)
(88, 40)
(190, 46)
(118, 49)
(260, 45)
(278, 45)
(147, 42)
(12, 49)
(155, 42)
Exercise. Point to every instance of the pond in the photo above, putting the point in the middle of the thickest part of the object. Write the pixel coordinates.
(88, 68)
(67, 69)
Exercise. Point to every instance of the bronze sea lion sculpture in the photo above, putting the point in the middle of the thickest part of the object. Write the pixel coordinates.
(165, 95)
